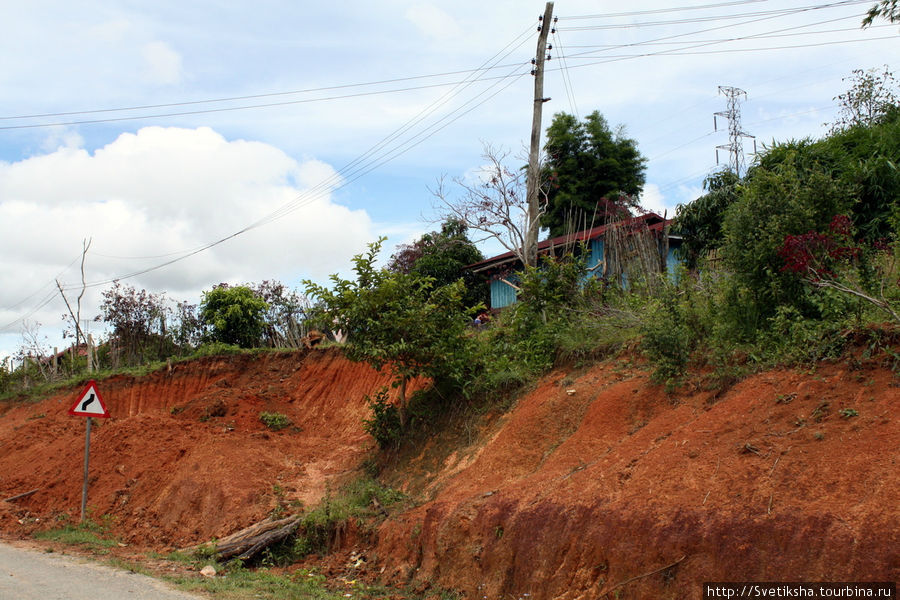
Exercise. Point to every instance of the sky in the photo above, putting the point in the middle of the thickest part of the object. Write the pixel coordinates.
(193, 143)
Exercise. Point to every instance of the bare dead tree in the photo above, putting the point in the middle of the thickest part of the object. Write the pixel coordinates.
(34, 351)
(496, 203)
(76, 316)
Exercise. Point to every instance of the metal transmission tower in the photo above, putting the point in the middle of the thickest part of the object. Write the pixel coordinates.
(736, 135)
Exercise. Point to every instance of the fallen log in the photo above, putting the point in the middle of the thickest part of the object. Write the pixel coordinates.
(248, 542)
(17, 496)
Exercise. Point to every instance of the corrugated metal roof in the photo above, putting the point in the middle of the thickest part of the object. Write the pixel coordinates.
(584, 235)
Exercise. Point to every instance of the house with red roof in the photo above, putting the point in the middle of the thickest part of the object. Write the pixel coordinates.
(613, 250)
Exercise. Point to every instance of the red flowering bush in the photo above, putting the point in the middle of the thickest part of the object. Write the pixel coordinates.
(815, 255)
(829, 260)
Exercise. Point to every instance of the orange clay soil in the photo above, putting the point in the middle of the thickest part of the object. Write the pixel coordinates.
(617, 490)
(184, 457)
(622, 491)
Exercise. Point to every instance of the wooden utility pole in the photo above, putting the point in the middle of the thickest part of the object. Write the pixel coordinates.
(533, 182)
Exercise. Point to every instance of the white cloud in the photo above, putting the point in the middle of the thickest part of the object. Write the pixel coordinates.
(62, 137)
(162, 64)
(147, 197)
(653, 200)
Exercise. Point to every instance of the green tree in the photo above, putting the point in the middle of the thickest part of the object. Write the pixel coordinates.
(887, 9)
(399, 321)
(235, 315)
(587, 161)
(788, 197)
(700, 221)
(871, 98)
(443, 256)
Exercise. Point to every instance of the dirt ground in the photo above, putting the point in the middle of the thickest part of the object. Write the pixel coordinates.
(596, 484)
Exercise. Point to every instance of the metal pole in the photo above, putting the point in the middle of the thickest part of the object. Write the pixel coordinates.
(87, 457)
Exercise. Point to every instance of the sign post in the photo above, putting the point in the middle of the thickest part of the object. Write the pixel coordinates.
(89, 404)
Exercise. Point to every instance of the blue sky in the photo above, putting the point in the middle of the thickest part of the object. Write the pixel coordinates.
(151, 189)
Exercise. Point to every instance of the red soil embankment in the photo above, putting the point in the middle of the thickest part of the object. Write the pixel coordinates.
(616, 488)
(184, 457)
(788, 476)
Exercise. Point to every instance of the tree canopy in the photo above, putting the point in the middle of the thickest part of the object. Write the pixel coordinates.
(585, 162)
(396, 320)
(236, 315)
(700, 221)
(443, 256)
(886, 9)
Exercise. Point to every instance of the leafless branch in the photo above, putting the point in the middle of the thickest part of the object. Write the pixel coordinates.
(496, 204)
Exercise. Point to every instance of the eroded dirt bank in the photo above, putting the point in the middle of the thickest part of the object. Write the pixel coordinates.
(788, 475)
(184, 457)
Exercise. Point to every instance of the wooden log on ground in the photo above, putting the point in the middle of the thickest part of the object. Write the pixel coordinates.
(17, 496)
(249, 542)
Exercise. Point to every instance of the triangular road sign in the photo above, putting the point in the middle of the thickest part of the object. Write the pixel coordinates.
(89, 403)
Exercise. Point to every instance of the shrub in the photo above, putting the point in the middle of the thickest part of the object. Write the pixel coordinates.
(675, 324)
(275, 421)
(356, 500)
(235, 315)
(384, 425)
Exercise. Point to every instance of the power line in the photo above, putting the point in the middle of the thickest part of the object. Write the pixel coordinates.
(685, 51)
(371, 159)
(234, 108)
(567, 80)
(705, 43)
(758, 36)
(661, 10)
(255, 96)
(721, 17)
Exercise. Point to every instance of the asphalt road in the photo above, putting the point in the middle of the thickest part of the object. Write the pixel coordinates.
(31, 575)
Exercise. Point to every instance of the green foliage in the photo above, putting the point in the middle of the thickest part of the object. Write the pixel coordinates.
(587, 161)
(676, 323)
(398, 321)
(871, 97)
(700, 221)
(275, 421)
(785, 195)
(549, 294)
(6, 377)
(885, 9)
(237, 583)
(797, 188)
(216, 349)
(87, 533)
(443, 255)
(795, 338)
(384, 425)
(559, 316)
(866, 157)
(364, 498)
(234, 315)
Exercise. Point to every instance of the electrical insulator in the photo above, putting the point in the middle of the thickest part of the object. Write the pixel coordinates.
(533, 71)
(539, 27)
(553, 30)
(534, 61)
(549, 46)
(549, 57)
